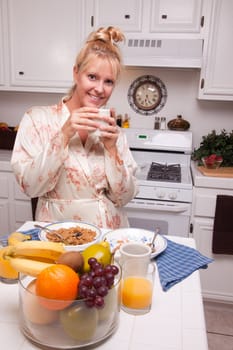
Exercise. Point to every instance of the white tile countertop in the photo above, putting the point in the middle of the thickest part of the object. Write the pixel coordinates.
(201, 180)
(175, 322)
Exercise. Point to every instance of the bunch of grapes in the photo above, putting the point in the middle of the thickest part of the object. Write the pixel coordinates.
(95, 284)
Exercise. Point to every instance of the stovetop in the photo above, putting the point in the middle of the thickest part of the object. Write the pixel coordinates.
(164, 172)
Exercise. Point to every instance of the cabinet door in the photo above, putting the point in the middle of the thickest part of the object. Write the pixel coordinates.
(127, 15)
(4, 204)
(4, 218)
(45, 37)
(176, 16)
(2, 79)
(217, 74)
(215, 280)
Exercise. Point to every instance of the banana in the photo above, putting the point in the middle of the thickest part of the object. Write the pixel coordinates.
(16, 237)
(28, 266)
(36, 250)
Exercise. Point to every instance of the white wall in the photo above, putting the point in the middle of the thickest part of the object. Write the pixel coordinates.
(182, 88)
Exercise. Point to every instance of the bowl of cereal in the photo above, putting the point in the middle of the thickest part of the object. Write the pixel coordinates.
(75, 235)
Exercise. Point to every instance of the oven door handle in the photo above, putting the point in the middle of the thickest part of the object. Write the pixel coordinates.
(172, 208)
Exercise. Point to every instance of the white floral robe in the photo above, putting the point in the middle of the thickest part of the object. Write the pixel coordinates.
(79, 182)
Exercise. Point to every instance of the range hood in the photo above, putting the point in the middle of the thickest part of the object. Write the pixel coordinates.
(151, 52)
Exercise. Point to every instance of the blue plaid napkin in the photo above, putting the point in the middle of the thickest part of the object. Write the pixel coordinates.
(33, 233)
(178, 262)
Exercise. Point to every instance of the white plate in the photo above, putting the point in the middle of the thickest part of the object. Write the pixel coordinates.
(125, 235)
(67, 224)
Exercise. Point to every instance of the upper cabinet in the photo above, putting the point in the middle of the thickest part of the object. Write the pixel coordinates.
(126, 15)
(216, 81)
(176, 16)
(44, 38)
(183, 17)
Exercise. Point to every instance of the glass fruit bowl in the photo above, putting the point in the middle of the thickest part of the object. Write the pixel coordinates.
(212, 161)
(70, 325)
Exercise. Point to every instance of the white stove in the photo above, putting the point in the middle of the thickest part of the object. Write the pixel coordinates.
(162, 195)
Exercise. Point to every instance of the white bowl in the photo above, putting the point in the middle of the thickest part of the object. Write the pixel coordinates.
(68, 224)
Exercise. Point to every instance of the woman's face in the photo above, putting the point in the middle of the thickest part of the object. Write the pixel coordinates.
(94, 84)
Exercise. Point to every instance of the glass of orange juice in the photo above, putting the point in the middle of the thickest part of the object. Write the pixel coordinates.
(137, 287)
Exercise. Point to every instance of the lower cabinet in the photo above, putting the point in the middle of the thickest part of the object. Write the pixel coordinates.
(216, 280)
(15, 207)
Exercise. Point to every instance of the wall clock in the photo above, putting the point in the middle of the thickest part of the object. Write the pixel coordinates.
(147, 95)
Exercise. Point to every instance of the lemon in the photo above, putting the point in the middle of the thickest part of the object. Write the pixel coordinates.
(6, 270)
(105, 244)
(101, 253)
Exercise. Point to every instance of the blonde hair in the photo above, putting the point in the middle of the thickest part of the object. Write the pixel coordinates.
(102, 44)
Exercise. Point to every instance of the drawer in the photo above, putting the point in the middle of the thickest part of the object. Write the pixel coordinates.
(204, 203)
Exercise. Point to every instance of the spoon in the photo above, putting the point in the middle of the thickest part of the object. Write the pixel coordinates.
(48, 230)
(152, 244)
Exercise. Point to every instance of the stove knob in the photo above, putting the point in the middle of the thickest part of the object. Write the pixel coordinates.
(172, 195)
(160, 194)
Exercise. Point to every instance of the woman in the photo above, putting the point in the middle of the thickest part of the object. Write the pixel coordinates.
(58, 157)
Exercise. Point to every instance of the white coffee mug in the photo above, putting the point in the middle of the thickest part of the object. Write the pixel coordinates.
(102, 112)
(135, 250)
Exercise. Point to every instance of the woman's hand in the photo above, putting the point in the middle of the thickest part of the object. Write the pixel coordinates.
(109, 132)
(89, 119)
(82, 119)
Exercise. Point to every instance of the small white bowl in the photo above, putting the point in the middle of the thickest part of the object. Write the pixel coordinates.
(68, 224)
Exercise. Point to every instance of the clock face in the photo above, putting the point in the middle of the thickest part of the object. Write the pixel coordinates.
(147, 95)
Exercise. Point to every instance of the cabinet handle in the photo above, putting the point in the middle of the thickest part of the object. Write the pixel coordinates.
(202, 21)
(21, 73)
(127, 16)
(202, 83)
(164, 16)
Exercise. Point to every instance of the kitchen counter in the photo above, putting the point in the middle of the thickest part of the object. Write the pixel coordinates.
(201, 180)
(175, 322)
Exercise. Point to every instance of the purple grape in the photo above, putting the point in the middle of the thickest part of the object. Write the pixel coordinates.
(90, 302)
(91, 293)
(88, 281)
(102, 291)
(114, 269)
(83, 291)
(99, 302)
(97, 282)
(92, 261)
(99, 271)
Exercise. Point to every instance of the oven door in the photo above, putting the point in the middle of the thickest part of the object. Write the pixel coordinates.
(171, 218)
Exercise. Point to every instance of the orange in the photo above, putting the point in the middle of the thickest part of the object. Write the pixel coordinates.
(58, 286)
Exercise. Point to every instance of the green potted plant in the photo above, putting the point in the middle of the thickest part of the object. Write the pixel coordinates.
(213, 144)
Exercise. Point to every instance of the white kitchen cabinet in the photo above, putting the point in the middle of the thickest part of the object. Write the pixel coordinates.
(216, 81)
(126, 15)
(44, 39)
(2, 46)
(148, 16)
(179, 16)
(216, 281)
(15, 207)
(4, 204)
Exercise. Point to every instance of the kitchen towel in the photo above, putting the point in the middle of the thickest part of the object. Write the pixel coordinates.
(178, 262)
(222, 242)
